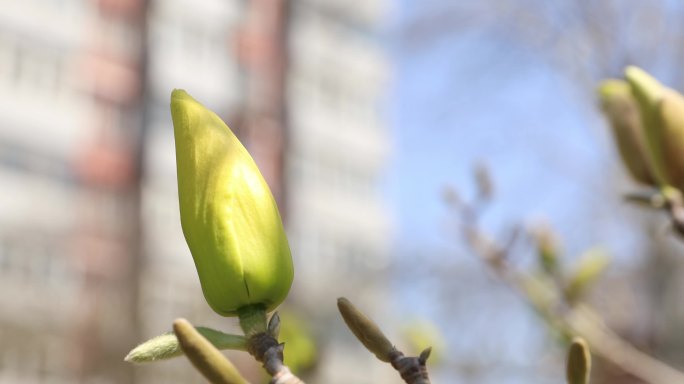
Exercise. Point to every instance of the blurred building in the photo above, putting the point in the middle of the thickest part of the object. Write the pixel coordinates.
(69, 121)
(337, 148)
(337, 144)
(92, 257)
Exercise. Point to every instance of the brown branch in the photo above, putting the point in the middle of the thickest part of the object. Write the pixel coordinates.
(605, 342)
(265, 348)
(667, 199)
(412, 369)
(579, 320)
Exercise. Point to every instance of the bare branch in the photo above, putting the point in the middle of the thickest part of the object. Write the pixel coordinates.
(569, 319)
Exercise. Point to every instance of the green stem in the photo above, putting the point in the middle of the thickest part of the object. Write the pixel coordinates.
(252, 319)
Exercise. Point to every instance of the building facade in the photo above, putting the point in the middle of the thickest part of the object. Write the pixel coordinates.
(337, 149)
(69, 120)
(92, 256)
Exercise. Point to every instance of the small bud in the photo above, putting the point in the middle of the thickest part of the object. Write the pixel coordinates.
(204, 356)
(422, 359)
(229, 216)
(451, 197)
(590, 266)
(166, 346)
(274, 325)
(547, 249)
(579, 362)
(621, 110)
(368, 333)
(485, 186)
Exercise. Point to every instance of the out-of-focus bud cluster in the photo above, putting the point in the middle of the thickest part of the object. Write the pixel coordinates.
(572, 283)
(548, 249)
(622, 113)
(647, 119)
(590, 267)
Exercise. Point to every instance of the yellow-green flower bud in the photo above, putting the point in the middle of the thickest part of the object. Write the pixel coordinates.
(229, 216)
(672, 115)
(589, 268)
(621, 110)
(365, 329)
(548, 249)
(204, 356)
(578, 367)
(662, 114)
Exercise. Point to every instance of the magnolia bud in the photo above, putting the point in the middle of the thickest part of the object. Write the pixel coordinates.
(166, 346)
(229, 216)
(365, 329)
(548, 249)
(621, 110)
(662, 114)
(579, 362)
(204, 356)
(672, 144)
(589, 268)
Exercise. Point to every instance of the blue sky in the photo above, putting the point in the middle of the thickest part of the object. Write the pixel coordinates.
(548, 149)
(465, 98)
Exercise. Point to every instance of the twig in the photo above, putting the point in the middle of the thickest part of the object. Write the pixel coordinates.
(265, 348)
(581, 321)
(576, 319)
(674, 206)
(412, 369)
(667, 199)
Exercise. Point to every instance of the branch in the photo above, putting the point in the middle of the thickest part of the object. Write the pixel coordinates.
(569, 318)
(412, 369)
(667, 199)
(265, 348)
(606, 343)
(674, 206)
(584, 322)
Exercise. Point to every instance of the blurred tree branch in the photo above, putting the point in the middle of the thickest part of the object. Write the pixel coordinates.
(551, 302)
